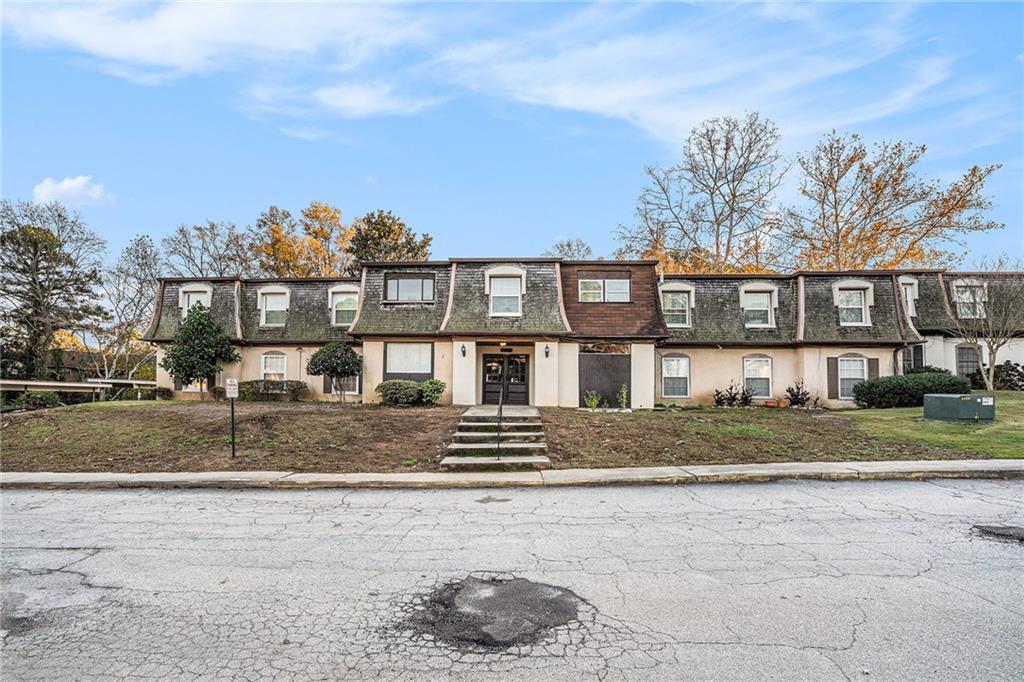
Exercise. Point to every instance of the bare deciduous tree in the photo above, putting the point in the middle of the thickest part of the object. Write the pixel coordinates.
(709, 212)
(570, 249)
(210, 250)
(871, 210)
(988, 308)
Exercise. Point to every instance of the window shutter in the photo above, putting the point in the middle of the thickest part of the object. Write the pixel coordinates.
(327, 384)
(833, 378)
(872, 368)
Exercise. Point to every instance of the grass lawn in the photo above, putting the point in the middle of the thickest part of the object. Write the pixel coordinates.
(194, 436)
(1003, 437)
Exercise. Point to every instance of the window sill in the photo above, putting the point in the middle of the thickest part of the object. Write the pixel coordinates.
(679, 326)
(759, 326)
(263, 325)
(854, 324)
(428, 302)
(506, 314)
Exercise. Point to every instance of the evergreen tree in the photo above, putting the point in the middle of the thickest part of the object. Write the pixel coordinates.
(198, 346)
(336, 360)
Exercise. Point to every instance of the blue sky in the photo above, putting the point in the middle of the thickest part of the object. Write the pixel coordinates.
(497, 129)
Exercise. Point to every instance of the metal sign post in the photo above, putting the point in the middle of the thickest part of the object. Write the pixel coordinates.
(231, 392)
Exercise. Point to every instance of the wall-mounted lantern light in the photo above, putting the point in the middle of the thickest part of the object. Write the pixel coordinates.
(547, 351)
(463, 350)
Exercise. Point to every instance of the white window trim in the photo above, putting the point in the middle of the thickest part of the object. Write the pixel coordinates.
(975, 283)
(689, 380)
(341, 289)
(604, 289)
(335, 391)
(771, 375)
(678, 288)
(194, 288)
(839, 374)
(773, 302)
(262, 293)
(911, 301)
(490, 297)
(263, 364)
(869, 299)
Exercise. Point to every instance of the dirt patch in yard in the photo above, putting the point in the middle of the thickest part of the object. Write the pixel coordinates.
(578, 439)
(193, 436)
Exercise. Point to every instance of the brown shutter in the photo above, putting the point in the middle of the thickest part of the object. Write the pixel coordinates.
(327, 384)
(833, 378)
(872, 368)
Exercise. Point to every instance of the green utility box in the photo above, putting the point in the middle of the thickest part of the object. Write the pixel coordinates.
(954, 407)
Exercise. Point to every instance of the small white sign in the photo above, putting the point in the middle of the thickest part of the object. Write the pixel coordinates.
(989, 400)
(231, 388)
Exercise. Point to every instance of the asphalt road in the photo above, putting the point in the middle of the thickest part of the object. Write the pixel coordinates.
(793, 580)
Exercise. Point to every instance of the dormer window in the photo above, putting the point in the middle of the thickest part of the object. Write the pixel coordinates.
(409, 288)
(970, 299)
(758, 301)
(851, 306)
(908, 289)
(193, 294)
(506, 297)
(676, 302)
(853, 299)
(273, 304)
(342, 301)
(604, 291)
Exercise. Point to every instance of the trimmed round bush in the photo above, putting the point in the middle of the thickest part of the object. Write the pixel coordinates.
(265, 390)
(399, 392)
(431, 391)
(906, 390)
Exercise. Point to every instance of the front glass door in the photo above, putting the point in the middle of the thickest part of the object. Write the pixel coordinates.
(509, 374)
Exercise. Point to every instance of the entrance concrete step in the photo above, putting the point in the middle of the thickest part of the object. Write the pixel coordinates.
(509, 463)
(494, 449)
(493, 419)
(510, 413)
(493, 437)
(484, 427)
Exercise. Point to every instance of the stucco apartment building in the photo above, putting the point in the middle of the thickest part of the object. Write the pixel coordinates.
(546, 331)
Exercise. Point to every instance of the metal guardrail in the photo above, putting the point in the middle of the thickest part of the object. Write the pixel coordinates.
(501, 412)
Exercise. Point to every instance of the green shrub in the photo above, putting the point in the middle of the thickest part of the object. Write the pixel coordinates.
(163, 393)
(798, 395)
(265, 390)
(431, 391)
(906, 390)
(927, 369)
(1009, 376)
(399, 392)
(592, 399)
(36, 400)
(733, 396)
(623, 396)
(218, 392)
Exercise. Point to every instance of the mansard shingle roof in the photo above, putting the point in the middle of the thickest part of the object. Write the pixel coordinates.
(541, 305)
(378, 317)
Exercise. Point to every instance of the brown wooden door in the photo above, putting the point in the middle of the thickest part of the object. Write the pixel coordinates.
(509, 373)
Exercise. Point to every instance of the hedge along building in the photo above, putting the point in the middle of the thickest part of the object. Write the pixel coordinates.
(275, 324)
(543, 331)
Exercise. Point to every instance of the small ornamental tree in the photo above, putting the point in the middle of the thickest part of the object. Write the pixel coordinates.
(198, 346)
(336, 360)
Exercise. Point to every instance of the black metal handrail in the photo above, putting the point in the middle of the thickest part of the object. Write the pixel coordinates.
(501, 411)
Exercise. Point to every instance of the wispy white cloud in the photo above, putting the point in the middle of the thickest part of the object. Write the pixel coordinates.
(77, 191)
(357, 100)
(309, 133)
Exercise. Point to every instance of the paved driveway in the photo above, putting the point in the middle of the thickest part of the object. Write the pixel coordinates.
(794, 580)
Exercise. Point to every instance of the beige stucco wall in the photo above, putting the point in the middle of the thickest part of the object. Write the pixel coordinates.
(641, 379)
(464, 372)
(568, 375)
(373, 365)
(545, 373)
(712, 368)
(248, 368)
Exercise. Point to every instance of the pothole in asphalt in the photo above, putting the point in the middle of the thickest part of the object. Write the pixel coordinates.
(1005, 533)
(493, 612)
(488, 499)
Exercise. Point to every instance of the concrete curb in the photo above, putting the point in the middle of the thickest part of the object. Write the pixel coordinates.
(725, 473)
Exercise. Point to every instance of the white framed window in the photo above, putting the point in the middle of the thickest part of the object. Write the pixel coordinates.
(409, 358)
(343, 307)
(757, 376)
(757, 308)
(675, 377)
(273, 366)
(604, 291)
(909, 290)
(409, 288)
(591, 291)
(676, 307)
(346, 386)
(852, 371)
(852, 305)
(274, 312)
(506, 296)
(970, 301)
(192, 294)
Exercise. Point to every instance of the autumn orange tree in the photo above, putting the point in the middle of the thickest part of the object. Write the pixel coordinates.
(871, 209)
(315, 245)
